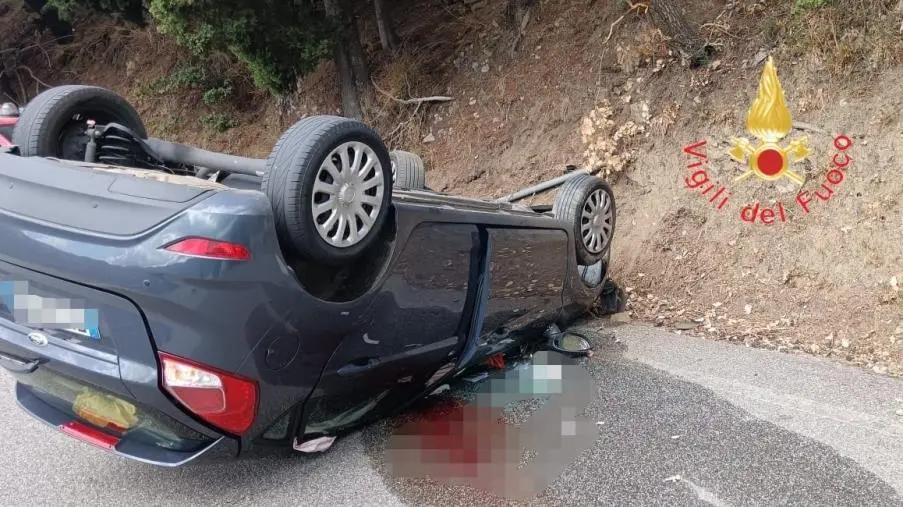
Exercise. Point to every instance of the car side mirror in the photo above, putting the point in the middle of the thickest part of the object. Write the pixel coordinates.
(568, 343)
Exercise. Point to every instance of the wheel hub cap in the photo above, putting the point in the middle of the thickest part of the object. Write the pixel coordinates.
(347, 194)
(596, 221)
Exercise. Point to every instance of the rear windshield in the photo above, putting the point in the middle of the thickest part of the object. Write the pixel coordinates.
(110, 413)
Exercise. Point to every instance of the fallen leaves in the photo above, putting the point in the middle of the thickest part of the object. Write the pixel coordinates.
(604, 146)
(738, 323)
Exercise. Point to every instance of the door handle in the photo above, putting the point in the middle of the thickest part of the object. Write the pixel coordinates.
(17, 365)
(358, 367)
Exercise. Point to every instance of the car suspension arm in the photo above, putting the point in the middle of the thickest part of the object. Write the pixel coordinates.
(541, 187)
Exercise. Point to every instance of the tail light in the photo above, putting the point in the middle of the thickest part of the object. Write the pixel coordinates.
(210, 249)
(224, 400)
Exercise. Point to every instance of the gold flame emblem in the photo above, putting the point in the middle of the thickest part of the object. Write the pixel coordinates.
(769, 121)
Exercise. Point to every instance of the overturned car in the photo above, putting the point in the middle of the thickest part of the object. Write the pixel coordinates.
(163, 302)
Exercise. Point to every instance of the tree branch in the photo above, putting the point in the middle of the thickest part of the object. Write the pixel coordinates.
(35, 78)
(26, 48)
(418, 101)
(636, 7)
(806, 126)
(402, 124)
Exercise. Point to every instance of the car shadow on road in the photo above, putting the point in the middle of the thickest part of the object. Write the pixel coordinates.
(279, 478)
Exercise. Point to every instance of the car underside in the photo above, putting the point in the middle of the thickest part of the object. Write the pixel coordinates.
(162, 309)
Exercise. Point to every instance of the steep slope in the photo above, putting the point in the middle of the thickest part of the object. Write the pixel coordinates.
(593, 83)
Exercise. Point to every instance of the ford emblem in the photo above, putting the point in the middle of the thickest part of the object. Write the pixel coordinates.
(39, 339)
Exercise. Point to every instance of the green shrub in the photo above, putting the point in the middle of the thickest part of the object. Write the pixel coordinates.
(220, 122)
(132, 10)
(802, 5)
(188, 76)
(184, 77)
(278, 40)
(217, 94)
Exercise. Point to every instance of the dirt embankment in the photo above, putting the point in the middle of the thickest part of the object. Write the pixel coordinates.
(588, 87)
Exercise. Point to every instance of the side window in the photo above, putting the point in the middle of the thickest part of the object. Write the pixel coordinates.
(526, 277)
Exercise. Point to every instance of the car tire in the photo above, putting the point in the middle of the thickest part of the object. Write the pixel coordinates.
(315, 194)
(408, 171)
(587, 205)
(51, 124)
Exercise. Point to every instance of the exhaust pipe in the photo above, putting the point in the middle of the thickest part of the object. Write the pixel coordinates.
(180, 153)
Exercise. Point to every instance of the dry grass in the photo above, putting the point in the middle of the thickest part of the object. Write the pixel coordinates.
(855, 38)
(400, 78)
(25, 56)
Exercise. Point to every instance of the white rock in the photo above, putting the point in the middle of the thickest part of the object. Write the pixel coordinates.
(622, 317)
(747, 309)
(786, 188)
(760, 57)
(430, 138)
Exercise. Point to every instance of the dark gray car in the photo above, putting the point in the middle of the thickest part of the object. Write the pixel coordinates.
(160, 316)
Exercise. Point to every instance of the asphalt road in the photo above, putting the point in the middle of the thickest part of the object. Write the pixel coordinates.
(680, 421)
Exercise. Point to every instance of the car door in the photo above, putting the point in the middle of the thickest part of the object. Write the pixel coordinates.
(524, 283)
(409, 334)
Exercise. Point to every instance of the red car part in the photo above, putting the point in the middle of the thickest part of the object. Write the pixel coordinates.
(7, 121)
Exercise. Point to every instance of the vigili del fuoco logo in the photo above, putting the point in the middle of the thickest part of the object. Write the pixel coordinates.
(768, 157)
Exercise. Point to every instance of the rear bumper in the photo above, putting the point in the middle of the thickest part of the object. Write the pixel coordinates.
(59, 383)
(138, 451)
